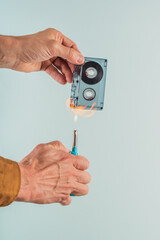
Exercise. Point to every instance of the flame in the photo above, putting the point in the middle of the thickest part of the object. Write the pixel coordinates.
(80, 110)
(75, 118)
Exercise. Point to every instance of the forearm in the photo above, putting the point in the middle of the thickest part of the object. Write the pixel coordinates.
(8, 51)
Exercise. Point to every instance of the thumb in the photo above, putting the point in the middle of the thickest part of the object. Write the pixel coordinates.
(68, 53)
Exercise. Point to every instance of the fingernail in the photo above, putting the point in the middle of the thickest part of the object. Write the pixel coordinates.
(69, 80)
(80, 59)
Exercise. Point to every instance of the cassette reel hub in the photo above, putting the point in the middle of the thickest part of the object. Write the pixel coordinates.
(91, 72)
(89, 94)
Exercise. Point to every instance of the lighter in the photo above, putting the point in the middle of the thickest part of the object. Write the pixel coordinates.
(74, 148)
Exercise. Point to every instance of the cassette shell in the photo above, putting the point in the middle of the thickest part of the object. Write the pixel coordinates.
(88, 86)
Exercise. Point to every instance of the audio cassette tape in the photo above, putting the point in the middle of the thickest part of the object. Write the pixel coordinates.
(88, 86)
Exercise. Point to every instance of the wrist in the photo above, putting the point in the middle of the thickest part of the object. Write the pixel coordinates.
(8, 51)
(24, 192)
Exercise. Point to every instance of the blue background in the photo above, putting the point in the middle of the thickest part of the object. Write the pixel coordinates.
(122, 142)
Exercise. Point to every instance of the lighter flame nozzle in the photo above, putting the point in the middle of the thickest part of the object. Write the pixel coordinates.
(75, 138)
(74, 148)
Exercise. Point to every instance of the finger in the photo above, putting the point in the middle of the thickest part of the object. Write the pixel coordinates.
(83, 177)
(70, 54)
(80, 189)
(55, 74)
(69, 43)
(80, 162)
(66, 201)
(65, 69)
(71, 66)
(57, 145)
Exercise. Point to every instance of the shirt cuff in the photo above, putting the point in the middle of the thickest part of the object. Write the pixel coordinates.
(10, 180)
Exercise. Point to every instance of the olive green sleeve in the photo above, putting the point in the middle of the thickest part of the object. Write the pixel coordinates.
(10, 179)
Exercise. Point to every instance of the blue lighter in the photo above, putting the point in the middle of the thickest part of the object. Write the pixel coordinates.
(74, 148)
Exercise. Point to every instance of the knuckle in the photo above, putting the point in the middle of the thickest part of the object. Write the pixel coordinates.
(59, 36)
(58, 144)
(86, 163)
(89, 178)
(39, 146)
(53, 47)
(66, 201)
(68, 177)
(50, 31)
(59, 199)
